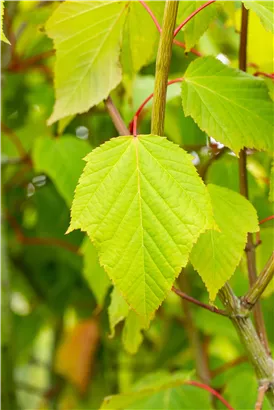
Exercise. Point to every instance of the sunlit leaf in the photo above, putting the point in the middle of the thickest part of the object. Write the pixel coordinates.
(3, 37)
(231, 106)
(216, 254)
(143, 204)
(87, 57)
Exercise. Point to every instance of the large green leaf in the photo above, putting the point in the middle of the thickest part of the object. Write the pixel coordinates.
(196, 27)
(217, 254)
(86, 38)
(93, 272)
(143, 204)
(160, 391)
(61, 160)
(230, 105)
(265, 10)
(3, 37)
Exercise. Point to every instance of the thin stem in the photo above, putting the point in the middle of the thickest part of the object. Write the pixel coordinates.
(176, 42)
(260, 360)
(229, 365)
(38, 241)
(16, 141)
(162, 67)
(150, 12)
(266, 219)
(116, 117)
(198, 303)
(264, 74)
(191, 16)
(258, 287)
(144, 103)
(210, 390)
(250, 249)
(261, 393)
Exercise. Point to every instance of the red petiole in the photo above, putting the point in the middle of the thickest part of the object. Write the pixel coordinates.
(210, 390)
(133, 123)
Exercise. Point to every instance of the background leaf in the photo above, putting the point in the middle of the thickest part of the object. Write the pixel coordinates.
(62, 160)
(265, 10)
(231, 106)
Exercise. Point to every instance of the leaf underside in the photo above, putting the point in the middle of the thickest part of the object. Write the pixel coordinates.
(143, 205)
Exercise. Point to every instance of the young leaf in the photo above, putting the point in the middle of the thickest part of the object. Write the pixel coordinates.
(196, 27)
(3, 37)
(143, 204)
(231, 106)
(117, 310)
(216, 254)
(93, 272)
(86, 37)
(61, 160)
(132, 335)
(264, 10)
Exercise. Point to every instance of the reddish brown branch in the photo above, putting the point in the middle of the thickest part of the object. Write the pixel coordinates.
(176, 31)
(264, 74)
(18, 64)
(261, 393)
(198, 303)
(16, 141)
(229, 365)
(210, 390)
(38, 241)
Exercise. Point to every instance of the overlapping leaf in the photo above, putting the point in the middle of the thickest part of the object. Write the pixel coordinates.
(196, 27)
(231, 106)
(61, 160)
(86, 37)
(216, 254)
(143, 204)
(264, 10)
(93, 272)
(87, 57)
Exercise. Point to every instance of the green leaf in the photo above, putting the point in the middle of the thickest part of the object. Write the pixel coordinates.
(61, 159)
(132, 335)
(264, 10)
(117, 310)
(143, 204)
(93, 272)
(229, 105)
(139, 39)
(196, 27)
(217, 254)
(3, 37)
(86, 37)
(160, 391)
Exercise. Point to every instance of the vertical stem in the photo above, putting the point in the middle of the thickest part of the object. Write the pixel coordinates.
(8, 392)
(162, 67)
(250, 249)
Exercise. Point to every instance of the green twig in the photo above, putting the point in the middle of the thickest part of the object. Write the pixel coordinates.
(162, 67)
(258, 287)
